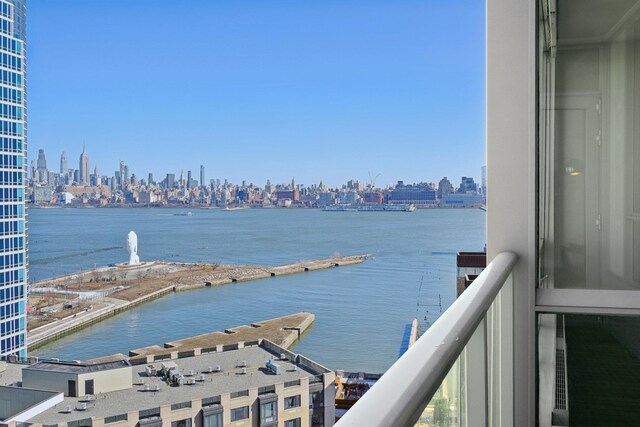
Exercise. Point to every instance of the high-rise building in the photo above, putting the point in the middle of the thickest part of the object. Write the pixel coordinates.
(467, 184)
(83, 169)
(125, 177)
(41, 170)
(13, 268)
(202, 184)
(150, 179)
(171, 180)
(95, 178)
(444, 187)
(121, 180)
(188, 179)
(483, 180)
(64, 167)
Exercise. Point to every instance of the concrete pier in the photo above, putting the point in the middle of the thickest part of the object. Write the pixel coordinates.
(283, 331)
(137, 286)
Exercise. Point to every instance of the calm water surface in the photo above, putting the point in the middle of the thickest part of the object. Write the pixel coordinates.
(360, 310)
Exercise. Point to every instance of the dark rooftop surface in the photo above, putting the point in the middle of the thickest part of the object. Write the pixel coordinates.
(471, 259)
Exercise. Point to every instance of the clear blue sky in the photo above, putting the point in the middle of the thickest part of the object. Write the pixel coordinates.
(261, 89)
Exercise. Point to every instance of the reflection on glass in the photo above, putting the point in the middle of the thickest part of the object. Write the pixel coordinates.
(444, 408)
(589, 144)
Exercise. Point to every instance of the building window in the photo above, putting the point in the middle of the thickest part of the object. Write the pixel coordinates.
(237, 394)
(292, 402)
(213, 420)
(148, 413)
(182, 423)
(208, 401)
(116, 418)
(297, 422)
(589, 175)
(267, 389)
(182, 405)
(291, 383)
(240, 413)
(268, 412)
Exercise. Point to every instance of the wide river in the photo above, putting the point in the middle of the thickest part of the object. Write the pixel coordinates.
(361, 311)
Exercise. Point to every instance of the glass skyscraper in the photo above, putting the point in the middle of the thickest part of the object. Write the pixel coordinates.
(13, 152)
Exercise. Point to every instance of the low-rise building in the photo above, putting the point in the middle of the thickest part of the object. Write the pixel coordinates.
(461, 200)
(243, 384)
(469, 266)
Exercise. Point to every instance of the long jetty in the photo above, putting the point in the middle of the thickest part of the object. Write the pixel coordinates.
(112, 305)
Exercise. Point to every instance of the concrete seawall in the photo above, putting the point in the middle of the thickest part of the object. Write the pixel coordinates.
(60, 328)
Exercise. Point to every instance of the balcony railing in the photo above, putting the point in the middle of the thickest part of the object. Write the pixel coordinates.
(463, 360)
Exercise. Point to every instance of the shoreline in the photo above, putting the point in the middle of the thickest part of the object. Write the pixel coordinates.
(111, 305)
(227, 208)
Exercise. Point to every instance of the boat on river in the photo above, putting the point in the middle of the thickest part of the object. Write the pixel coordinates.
(387, 207)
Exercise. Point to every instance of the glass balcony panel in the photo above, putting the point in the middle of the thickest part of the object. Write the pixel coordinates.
(588, 370)
(589, 150)
(461, 398)
(444, 409)
(459, 372)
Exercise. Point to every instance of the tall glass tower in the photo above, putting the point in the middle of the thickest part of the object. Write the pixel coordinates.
(13, 152)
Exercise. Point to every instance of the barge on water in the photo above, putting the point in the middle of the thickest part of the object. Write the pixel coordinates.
(388, 207)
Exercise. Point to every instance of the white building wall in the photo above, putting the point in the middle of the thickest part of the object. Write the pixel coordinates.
(511, 203)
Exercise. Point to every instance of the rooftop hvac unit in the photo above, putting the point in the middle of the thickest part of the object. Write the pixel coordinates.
(201, 378)
(191, 381)
(55, 359)
(242, 364)
(147, 387)
(67, 409)
(190, 373)
(81, 406)
(243, 371)
(283, 356)
(156, 388)
(216, 368)
(151, 370)
(294, 368)
(274, 368)
(77, 362)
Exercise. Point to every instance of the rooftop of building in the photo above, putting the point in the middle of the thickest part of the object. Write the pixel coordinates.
(77, 368)
(230, 379)
(471, 259)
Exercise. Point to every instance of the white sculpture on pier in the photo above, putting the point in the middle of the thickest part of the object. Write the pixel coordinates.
(132, 247)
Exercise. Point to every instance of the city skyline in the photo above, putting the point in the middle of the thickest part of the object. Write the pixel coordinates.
(295, 103)
(199, 170)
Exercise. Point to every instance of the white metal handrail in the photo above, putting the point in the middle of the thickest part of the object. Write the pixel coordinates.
(400, 396)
